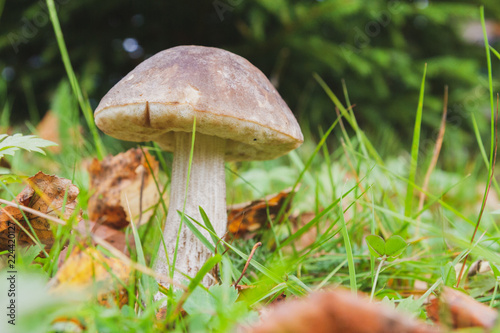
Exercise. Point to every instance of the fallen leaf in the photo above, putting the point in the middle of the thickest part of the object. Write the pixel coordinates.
(337, 311)
(244, 219)
(48, 129)
(116, 186)
(90, 268)
(45, 194)
(459, 310)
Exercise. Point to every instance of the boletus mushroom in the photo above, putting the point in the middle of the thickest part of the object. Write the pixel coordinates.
(239, 116)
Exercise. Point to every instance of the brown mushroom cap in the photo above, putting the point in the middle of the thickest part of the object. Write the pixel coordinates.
(229, 96)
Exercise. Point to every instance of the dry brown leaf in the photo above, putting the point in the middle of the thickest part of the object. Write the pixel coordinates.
(459, 310)
(116, 186)
(244, 219)
(337, 311)
(48, 129)
(90, 267)
(46, 194)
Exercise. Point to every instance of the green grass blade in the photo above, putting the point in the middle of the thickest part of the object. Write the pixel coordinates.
(414, 148)
(277, 290)
(208, 224)
(206, 268)
(298, 283)
(348, 249)
(326, 156)
(84, 104)
(256, 264)
(353, 118)
(347, 116)
(314, 221)
(495, 52)
(141, 258)
(477, 133)
(330, 275)
(253, 262)
(185, 219)
(304, 169)
(492, 142)
(490, 84)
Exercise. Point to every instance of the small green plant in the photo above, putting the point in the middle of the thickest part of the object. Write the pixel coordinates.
(10, 144)
(448, 275)
(216, 309)
(386, 250)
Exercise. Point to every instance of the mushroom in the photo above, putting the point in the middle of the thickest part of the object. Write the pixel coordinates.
(239, 116)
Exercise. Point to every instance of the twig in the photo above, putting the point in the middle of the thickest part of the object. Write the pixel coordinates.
(33, 211)
(485, 198)
(435, 156)
(341, 123)
(248, 263)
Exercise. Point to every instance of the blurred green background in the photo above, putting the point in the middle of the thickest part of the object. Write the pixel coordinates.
(378, 47)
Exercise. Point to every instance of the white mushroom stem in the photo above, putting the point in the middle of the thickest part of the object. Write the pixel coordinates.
(206, 189)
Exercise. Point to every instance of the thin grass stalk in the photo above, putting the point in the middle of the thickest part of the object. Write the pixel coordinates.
(415, 148)
(486, 192)
(84, 105)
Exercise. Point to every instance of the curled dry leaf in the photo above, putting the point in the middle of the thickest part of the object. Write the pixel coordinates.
(246, 218)
(460, 310)
(46, 194)
(337, 311)
(116, 186)
(90, 267)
